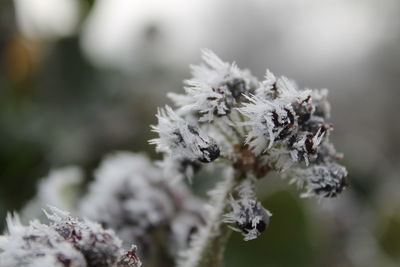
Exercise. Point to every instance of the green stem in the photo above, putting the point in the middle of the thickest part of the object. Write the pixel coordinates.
(208, 246)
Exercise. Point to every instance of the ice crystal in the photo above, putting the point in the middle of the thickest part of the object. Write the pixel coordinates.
(214, 89)
(182, 140)
(248, 215)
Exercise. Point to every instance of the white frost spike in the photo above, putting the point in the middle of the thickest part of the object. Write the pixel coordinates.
(267, 120)
(182, 140)
(307, 145)
(267, 86)
(214, 88)
(248, 215)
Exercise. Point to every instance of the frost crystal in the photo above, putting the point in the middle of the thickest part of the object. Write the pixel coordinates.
(182, 140)
(214, 88)
(249, 216)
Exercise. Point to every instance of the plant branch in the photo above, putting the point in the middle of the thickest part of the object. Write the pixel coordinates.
(207, 248)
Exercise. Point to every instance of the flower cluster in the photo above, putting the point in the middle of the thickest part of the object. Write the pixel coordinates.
(66, 242)
(226, 115)
(131, 196)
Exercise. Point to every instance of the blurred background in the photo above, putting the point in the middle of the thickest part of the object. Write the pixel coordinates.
(79, 79)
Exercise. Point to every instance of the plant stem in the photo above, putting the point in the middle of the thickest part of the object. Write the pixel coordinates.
(208, 247)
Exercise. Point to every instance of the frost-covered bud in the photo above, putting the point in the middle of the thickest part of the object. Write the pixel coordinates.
(248, 216)
(214, 88)
(268, 122)
(36, 245)
(129, 259)
(303, 109)
(304, 146)
(321, 180)
(283, 121)
(326, 180)
(182, 140)
(100, 247)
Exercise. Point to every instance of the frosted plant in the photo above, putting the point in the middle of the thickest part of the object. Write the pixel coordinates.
(227, 118)
(132, 196)
(66, 242)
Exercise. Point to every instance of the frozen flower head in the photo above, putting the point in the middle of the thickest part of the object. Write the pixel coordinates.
(100, 247)
(36, 245)
(182, 140)
(214, 89)
(248, 216)
(131, 196)
(66, 242)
